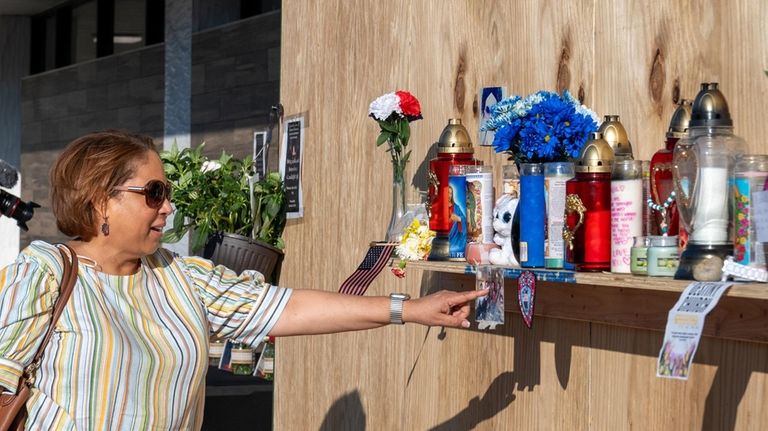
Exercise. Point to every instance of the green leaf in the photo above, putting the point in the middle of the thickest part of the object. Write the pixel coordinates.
(389, 126)
(219, 201)
(381, 139)
(405, 130)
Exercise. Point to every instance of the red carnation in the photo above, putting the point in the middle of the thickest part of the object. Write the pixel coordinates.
(399, 273)
(409, 105)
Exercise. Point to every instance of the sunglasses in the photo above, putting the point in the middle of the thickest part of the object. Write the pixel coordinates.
(155, 192)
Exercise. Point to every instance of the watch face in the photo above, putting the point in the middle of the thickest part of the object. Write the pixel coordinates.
(401, 296)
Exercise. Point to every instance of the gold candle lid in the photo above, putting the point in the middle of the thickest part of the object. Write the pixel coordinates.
(678, 126)
(454, 138)
(616, 136)
(596, 156)
(710, 109)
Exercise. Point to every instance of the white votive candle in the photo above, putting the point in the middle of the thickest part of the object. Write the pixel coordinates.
(710, 220)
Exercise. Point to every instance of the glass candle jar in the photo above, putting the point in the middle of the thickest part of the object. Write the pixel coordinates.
(556, 174)
(532, 215)
(751, 172)
(453, 148)
(457, 212)
(626, 211)
(587, 228)
(663, 256)
(479, 183)
(215, 350)
(639, 255)
(511, 180)
(242, 362)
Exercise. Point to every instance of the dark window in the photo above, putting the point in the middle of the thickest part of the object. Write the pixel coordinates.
(84, 35)
(129, 25)
(155, 21)
(249, 8)
(62, 41)
(105, 27)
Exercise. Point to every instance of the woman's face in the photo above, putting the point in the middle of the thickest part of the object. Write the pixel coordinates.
(135, 228)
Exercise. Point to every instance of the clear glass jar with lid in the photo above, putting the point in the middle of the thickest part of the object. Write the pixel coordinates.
(663, 256)
(751, 173)
(639, 255)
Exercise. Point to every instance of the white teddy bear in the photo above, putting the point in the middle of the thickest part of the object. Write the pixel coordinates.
(503, 213)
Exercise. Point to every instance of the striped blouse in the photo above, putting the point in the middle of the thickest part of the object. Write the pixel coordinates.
(129, 352)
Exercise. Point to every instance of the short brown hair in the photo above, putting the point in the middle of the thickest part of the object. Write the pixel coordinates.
(85, 173)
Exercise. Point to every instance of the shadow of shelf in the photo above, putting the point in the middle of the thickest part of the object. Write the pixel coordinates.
(626, 300)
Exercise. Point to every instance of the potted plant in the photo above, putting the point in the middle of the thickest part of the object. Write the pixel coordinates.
(233, 219)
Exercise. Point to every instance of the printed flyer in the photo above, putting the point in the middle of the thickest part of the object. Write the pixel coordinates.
(684, 327)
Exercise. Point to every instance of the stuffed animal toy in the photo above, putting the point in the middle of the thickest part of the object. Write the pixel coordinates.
(503, 213)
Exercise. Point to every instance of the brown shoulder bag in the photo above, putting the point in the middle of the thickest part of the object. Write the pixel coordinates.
(13, 412)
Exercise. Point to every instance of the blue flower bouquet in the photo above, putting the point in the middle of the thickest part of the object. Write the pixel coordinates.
(543, 127)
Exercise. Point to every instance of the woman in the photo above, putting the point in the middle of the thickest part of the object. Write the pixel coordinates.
(130, 350)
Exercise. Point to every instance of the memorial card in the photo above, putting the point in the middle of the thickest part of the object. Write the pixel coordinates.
(489, 96)
(489, 309)
(291, 153)
(684, 327)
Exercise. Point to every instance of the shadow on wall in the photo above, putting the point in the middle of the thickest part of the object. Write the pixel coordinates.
(346, 413)
(419, 180)
(498, 396)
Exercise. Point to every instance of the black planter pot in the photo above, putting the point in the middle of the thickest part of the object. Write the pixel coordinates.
(239, 253)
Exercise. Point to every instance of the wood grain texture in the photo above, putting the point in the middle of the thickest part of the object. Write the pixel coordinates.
(625, 57)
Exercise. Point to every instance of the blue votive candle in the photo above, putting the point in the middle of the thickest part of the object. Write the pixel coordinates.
(532, 215)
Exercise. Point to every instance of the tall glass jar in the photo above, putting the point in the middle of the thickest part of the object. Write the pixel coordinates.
(751, 172)
(626, 211)
(587, 229)
(556, 174)
(661, 184)
(453, 148)
(532, 215)
(703, 172)
(479, 180)
(457, 212)
(511, 180)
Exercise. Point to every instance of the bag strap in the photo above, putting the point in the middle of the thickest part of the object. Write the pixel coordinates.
(69, 263)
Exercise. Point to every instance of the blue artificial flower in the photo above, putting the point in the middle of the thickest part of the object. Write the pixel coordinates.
(543, 127)
(505, 136)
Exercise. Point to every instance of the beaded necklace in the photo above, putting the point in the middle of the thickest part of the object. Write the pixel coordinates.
(662, 208)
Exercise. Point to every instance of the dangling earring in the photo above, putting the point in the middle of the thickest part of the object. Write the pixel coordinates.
(105, 226)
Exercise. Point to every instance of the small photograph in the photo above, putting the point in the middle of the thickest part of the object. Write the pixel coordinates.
(675, 359)
(489, 96)
(489, 309)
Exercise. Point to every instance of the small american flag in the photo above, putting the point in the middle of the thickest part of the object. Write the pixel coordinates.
(375, 260)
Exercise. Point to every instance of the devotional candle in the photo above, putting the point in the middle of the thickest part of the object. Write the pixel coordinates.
(532, 215)
(587, 229)
(556, 174)
(626, 211)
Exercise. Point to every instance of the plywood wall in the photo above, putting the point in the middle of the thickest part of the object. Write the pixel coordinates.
(631, 58)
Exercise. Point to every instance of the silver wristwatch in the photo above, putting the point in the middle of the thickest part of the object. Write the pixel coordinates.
(396, 307)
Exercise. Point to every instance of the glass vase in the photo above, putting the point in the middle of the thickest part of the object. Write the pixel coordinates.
(395, 228)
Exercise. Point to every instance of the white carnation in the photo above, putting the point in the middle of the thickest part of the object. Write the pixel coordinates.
(210, 166)
(384, 106)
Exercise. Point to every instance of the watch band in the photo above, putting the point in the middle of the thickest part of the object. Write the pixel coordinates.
(396, 307)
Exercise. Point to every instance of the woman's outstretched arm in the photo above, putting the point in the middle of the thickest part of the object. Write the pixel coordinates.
(320, 312)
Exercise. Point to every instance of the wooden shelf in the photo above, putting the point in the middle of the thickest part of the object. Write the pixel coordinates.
(625, 300)
(661, 284)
